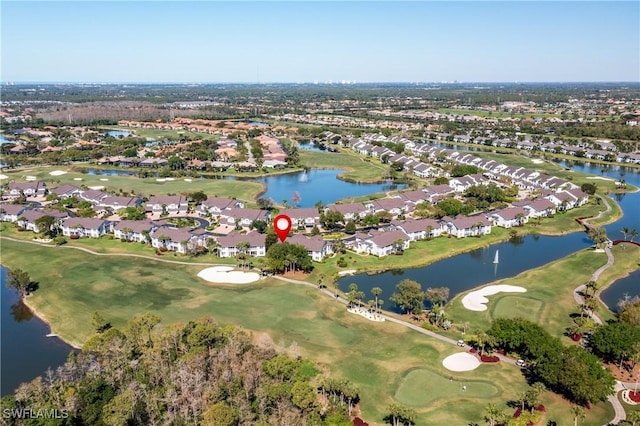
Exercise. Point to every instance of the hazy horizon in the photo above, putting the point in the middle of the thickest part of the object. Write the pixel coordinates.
(307, 42)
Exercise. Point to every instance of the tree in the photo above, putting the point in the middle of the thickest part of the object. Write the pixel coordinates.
(399, 414)
(578, 413)
(591, 286)
(331, 219)
(354, 296)
(588, 188)
(99, 323)
(220, 414)
(598, 235)
(450, 206)
(47, 225)
(265, 203)
(376, 291)
(437, 296)
(20, 281)
(408, 296)
(350, 228)
(259, 225)
(492, 413)
(295, 198)
(197, 197)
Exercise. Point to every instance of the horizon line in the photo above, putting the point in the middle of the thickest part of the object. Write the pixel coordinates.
(326, 82)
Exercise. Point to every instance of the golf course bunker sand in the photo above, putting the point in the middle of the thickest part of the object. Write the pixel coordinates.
(77, 178)
(97, 188)
(4, 177)
(57, 173)
(226, 274)
(31, 178)
(537, 161)
(476, 300)
(461, 361)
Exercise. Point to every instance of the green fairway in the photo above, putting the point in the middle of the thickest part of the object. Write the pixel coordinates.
(357, 168)
(377, 357)
(420, 387)
(517, 306)
(549, 297)
(240, 189)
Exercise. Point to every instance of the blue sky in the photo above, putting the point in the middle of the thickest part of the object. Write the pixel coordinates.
(307, 41)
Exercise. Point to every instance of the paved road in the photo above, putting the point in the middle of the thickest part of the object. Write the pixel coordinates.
(619, 413)
(393, 319)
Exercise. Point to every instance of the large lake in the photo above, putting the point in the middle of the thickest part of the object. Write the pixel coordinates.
(318, 185)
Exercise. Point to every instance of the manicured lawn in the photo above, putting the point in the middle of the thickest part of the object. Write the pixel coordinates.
(416, 387)
(358, 168)
(377, 357)
(242, 190)
(549, 297)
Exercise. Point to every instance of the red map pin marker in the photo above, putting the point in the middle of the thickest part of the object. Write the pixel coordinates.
(282, 226)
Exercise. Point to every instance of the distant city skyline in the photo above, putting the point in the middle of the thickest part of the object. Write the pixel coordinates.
(307, 42)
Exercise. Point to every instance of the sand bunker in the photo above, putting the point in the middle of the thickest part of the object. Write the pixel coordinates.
(475, 301)
(226, 274)
(461, 361)
(104, 179)
(537, 161)
(600, 178)
(77, 178)
(4, 177)
(188, 180)
(161, 180)
(31, 178)
(57, 173)
(97, 188)
(170, 179)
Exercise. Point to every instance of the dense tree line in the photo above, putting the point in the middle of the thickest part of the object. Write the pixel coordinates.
(570, 371)
(185, 374)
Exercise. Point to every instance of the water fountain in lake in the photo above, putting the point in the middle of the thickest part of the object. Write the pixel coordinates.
(304, 177)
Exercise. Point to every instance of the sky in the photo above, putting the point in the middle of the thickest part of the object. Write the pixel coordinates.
(305, 41)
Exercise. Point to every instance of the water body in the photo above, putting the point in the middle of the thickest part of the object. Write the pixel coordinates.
(26, 351)
(474, 268)
(310, 146)
(97, 172)
(627, 286)
(4, 140)
(119, 133)
(318, 185)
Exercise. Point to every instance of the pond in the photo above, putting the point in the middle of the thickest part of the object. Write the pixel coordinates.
(469, 270)
(26, 351)
(119, 133)
(624, 287)
(318, 185)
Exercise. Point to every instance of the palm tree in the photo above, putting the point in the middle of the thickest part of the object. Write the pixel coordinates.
(625, 232)
(376, 291)
(632, 234)
(578, 412)
(492, 413)
(593, 286)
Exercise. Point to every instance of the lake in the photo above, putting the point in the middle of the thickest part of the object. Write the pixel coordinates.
(4, 140)
(119, 133)
(26, 351)
(318, 185)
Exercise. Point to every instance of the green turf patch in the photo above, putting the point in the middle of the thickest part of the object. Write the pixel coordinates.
(421, 386)
(509, 306)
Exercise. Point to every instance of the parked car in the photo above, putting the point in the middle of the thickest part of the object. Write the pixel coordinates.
(460, 343)
(521, 363)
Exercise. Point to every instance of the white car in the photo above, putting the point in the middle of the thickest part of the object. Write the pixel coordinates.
(460, 343)
(520, 363)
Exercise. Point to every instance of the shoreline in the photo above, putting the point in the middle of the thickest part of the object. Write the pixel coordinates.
(43, 318)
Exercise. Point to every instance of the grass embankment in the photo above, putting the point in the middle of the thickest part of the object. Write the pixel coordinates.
(239, 189)
(384, 360)
(160, 134)
(357, 168)
(549, 298)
